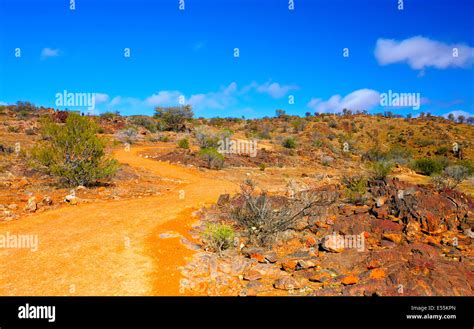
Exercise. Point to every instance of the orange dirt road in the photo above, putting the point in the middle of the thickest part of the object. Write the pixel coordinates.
(110, 247)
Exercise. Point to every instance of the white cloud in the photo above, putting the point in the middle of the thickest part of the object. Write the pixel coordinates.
(3, 104)
(457, 113)
(275, 90)
(101, 98)
(359, 100)
(164, 98)
(49, 52)
(420, 52)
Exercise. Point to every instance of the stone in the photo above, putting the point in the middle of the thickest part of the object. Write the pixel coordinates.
(223, 199)
(71, 199)
(286, 283)
(12, 206)
(289, 265)
(252, 275)
(258, 257)
(310, 241)
(350, 279)
(331, 243)
(320, 277)
(31, 205)
(377, 273)
(394, 237)
(47, 201)
(271, 257)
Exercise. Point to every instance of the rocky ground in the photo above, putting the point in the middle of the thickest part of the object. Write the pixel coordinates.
(408, 241)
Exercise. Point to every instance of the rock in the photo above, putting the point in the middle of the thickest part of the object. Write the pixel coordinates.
(71, 199)
(223, 199)
(394, 237)
(380, 201)
(80, 187)
(31, 205)
(413, 230)
(320, 277)
(12, 206)
(289, 265)
(23, 182)
(350, 279)
(252, 275)
(310, 241)
(271, 257)
(286, 283)
(47, 201)
(332, 243)
(258, 257)
(377, 273)
(381, 212)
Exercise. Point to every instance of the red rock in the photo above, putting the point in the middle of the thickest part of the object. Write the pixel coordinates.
(377, 273)
(310, 242)
(350, 279)
(258, 257)
(320, 277)
(286, 283)
(289, 265)
(252, 275)
(394, 237)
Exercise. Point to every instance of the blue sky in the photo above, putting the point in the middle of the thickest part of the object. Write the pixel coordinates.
(282, 53)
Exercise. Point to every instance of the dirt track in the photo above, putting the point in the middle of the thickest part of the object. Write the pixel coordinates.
(112, 247)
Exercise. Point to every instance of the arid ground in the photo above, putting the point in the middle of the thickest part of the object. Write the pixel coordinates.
(153, 228)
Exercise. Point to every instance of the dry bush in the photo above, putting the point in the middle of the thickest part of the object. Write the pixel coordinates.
(263, 220)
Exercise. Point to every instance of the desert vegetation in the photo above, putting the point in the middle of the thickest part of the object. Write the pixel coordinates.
(398, 183)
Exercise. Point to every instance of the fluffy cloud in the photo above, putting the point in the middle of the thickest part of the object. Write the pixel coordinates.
(359, 100)
(458, 113)
(420, 53)
(49, 52)
(101, 98)
(164, 98)
(274, 89)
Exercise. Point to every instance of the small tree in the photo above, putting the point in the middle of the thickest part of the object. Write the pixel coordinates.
(289, 143)
(218, 237)
(451, 177)
(381, 169)
(451, 116)
(214, 159)
(183, 143)
(73, 151)
(280, 113)
(174, 117)
(461, 118)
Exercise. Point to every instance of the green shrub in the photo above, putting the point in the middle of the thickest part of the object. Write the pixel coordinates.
(469, 165)
(218, 237)
(427, 166)
(381, 169)
(451, 177)
(73, 152)
(145, 122)
(356, 189)
(183, 143)
(174, 117)
(262, 167)
(398, 154)
(214, 159)
(164, 138)
(289, 143)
